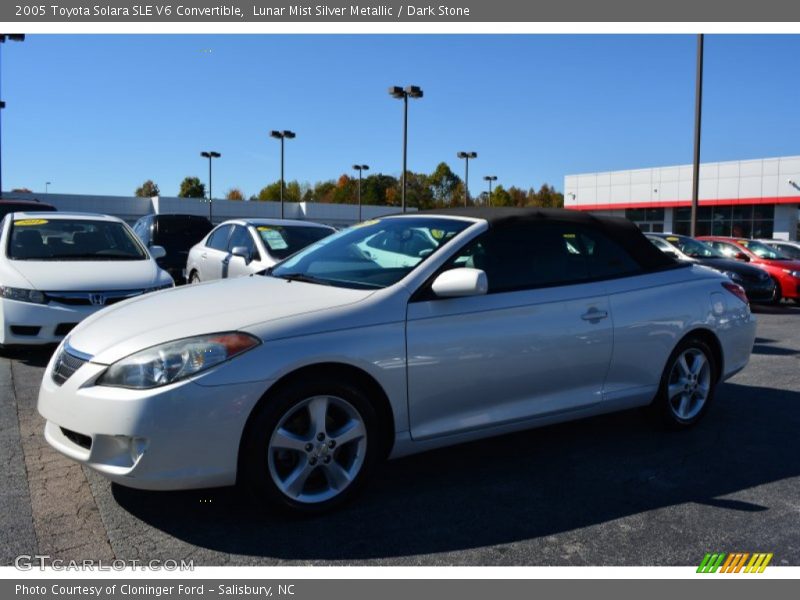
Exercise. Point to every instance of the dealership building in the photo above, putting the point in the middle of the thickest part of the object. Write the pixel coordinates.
(748, 198)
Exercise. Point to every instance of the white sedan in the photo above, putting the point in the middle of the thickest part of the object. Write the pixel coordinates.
(246, 246)
(58, 268)
(298, 382)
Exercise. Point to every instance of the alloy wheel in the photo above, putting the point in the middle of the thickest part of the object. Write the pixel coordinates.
(689, 384)
(317, 449)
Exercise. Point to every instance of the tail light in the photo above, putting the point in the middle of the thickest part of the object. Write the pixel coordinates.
(736, 290)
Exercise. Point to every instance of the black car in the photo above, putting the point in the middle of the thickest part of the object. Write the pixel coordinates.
(177, 233)
(10, 206)
(757, 283)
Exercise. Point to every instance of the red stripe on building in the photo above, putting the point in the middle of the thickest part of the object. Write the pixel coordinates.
(682, 203)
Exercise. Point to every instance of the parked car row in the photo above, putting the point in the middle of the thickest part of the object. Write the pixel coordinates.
(766, 269)
(57, 268)
(392, 337)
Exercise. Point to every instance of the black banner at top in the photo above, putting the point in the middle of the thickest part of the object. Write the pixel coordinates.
(338, 11)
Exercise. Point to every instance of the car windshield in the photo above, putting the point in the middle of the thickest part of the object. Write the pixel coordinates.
(763, 251)
(373, 254)
(72, 239)
(284, 240)
(693, 248)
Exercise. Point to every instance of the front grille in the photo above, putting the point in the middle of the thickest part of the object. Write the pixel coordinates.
(84, 441)
(92, 298)
(64, 328)
(65, 366)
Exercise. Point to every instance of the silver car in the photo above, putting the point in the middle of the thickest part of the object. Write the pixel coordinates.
(297, 383)
(244, 246)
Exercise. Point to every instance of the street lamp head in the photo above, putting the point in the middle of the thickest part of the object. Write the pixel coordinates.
(361, 167)
(413, 91)
(490, 177)
(395, 91)
(467, 155)
(289, 135)
(276, 134)
(215, 154)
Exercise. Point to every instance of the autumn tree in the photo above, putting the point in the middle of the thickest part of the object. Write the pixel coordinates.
(147, 190)
(234, 194)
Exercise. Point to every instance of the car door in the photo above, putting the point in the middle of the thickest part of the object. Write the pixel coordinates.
(538, 343)
(210, 266)
(237, 266)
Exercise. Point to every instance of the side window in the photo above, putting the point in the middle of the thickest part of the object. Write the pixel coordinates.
(218, 240)
(606, 258)
(727, 249)
(241, 237)
(521, 257)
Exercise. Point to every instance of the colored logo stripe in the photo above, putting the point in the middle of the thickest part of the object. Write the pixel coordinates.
(734, 562)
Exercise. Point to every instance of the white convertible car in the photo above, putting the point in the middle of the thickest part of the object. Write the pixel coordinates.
(57, 268)
(299, 381)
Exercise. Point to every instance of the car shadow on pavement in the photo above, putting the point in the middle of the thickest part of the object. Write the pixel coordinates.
(32, 356)
(512, 488)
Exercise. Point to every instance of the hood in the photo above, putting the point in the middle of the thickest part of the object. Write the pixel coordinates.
(223, 305)
(87, 276)
(735, 266)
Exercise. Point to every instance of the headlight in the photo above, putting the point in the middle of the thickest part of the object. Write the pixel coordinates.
(22, 295)
(173, 361)
(795, 274)
(732, 275)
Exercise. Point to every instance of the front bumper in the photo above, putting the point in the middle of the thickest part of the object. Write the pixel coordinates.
(180, 436)
(29, 323)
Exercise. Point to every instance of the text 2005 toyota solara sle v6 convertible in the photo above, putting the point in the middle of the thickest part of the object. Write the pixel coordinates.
(392, 337)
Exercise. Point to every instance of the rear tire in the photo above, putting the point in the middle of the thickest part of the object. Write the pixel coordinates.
(194, 278)
(310, 446)
(687, 385)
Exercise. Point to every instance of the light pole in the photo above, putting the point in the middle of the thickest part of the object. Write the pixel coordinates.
(466, 156)
(46, 187)
(698, 109)
(410, 91)
(360, 168)
(282, 135)
(209, 156)
(11, 37)
(490, 179)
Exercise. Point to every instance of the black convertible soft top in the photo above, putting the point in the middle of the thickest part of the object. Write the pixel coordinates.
(625, 233)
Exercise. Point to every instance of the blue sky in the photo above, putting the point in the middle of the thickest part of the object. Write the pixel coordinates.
(100, 114)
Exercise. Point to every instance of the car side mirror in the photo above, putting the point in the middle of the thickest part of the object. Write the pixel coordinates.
(242, 252)
(742, 256)
(461, 282)
(158, 252)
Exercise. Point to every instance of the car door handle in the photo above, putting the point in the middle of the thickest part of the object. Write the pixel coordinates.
(594, 314)
(204, 256)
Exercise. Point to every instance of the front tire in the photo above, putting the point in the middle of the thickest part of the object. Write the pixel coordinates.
(687, 385)
(777, 296)
(310, 447)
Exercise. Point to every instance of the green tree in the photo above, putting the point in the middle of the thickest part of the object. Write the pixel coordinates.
(291, 192)
(192, 188)
(443, 183)
(501, 197)
(147, 190)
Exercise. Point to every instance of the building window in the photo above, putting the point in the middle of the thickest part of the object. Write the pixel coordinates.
(739, 220)
(647, 219)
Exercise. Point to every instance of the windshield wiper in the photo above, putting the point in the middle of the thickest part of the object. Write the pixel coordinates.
(303, 277)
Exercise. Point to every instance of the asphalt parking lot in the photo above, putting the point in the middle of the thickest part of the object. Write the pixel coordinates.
(611, 490)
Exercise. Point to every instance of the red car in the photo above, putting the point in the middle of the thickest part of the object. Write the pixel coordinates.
(784, 270)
